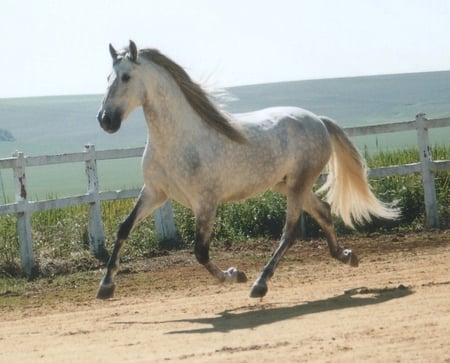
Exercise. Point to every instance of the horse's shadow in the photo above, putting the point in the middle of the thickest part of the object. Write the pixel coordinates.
(243, 318)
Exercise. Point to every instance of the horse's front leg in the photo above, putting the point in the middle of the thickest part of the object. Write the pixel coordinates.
(146, 203)
(204, 221)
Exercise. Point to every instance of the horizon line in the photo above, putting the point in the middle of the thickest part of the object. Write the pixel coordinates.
(76, 94)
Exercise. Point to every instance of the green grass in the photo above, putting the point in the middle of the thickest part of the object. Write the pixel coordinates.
(60, 236)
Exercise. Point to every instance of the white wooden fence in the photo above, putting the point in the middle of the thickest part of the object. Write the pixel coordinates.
(164, 216)
(164, 221)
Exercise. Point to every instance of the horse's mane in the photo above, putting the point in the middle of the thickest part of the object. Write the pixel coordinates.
(195, 95)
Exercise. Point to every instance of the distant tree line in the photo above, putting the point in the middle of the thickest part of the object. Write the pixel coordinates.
(6, 135)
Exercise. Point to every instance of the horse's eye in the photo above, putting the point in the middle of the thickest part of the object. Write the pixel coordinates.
(125, 77)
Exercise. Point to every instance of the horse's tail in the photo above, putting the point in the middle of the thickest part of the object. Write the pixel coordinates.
(348, 191)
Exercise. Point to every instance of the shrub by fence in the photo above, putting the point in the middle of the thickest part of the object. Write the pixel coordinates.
(164, 220)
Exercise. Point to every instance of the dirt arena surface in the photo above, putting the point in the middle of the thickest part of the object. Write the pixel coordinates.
(395, 307)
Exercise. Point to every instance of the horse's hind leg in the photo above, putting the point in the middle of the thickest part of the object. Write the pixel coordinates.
(146, 203)
(321, 212)
(290, 234)
(204, 220)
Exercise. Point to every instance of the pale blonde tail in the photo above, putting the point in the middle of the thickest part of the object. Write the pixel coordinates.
(347, 189)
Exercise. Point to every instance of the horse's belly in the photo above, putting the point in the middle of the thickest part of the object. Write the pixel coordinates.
(250, 183)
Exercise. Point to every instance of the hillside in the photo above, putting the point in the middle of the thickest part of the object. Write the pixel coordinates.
(358, 100)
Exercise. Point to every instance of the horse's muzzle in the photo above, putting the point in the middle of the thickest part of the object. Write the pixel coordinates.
(109, 123)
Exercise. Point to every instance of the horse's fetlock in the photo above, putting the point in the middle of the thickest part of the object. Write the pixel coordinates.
(336, 253)
(106, 290)
(201, 254)
(259, 289)
(345, 255)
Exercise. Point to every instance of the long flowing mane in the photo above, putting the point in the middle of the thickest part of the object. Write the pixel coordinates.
(195, 95)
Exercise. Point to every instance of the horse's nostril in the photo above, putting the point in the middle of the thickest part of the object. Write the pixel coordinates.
(104, 119)
(109, 123)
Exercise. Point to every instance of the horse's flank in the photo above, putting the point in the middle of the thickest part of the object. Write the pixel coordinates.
(196, 96)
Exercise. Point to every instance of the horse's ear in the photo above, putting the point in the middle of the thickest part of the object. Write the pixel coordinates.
(133, 51)
(113, 52)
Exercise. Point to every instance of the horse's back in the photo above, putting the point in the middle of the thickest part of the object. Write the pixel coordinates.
(297, 131)
(269, 119)
(283, 143)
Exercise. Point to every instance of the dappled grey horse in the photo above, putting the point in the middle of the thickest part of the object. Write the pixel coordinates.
(199, 156)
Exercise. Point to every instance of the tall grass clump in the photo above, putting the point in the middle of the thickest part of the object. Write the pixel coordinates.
(60, 240)
(262, 216)
(408, 189)
(9, 246)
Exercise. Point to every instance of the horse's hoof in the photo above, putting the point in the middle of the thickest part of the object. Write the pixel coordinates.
(258, 290)
(233, 275)
(347, 256)
(241, 277)
(106, 291)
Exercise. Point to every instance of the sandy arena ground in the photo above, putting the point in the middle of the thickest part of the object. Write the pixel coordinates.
(394, 308)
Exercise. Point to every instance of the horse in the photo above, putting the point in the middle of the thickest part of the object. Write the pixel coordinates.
(201, 156)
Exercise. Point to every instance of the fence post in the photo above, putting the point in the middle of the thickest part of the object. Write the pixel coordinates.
(165, 225)
(426, 161)
(95, 225)
(23, 216)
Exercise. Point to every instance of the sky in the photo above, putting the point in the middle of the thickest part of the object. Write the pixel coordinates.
(60, 47)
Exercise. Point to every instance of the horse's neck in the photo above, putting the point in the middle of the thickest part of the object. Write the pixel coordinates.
(170, 118)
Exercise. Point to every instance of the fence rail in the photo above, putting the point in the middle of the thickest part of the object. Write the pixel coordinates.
(164, 220)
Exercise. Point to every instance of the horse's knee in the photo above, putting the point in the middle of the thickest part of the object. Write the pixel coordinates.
(201, 253)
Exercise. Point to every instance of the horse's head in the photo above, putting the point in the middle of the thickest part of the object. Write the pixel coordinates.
(125, 89)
